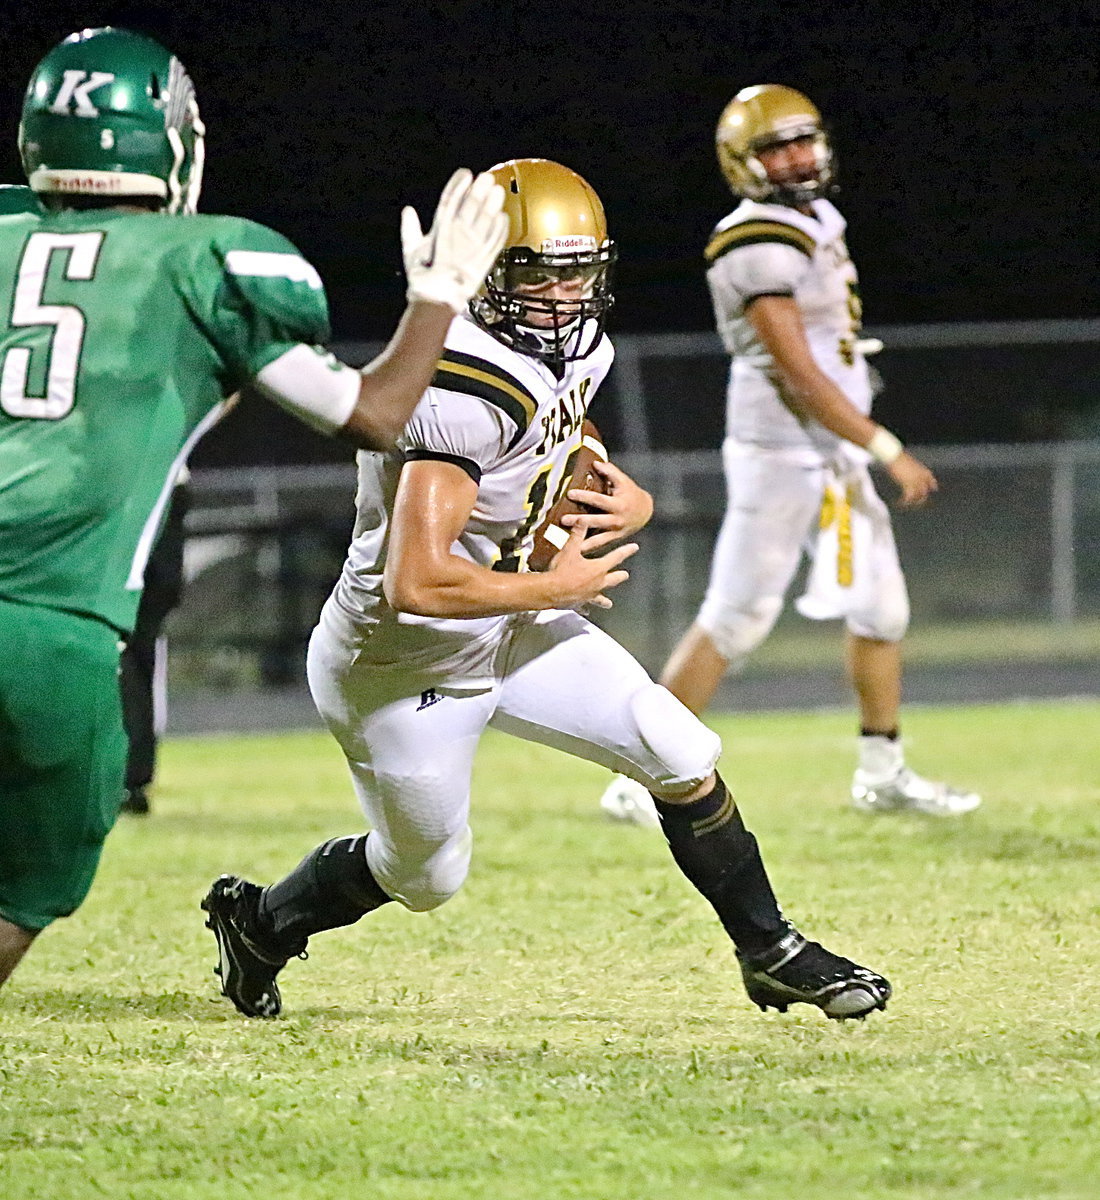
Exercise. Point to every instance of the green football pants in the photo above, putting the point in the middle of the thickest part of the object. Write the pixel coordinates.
(62, 758)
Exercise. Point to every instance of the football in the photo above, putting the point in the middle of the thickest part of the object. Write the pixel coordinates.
(551, 535)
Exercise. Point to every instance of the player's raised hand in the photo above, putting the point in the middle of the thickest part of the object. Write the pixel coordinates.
(580, 580)
(916, 481)
(448, 264)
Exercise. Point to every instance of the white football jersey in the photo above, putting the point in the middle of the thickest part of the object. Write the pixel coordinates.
(774, 250)
(513, 426)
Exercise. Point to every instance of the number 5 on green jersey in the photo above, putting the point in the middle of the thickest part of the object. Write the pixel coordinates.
(62, 351)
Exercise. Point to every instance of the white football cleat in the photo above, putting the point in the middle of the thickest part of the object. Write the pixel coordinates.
(909, 792)
(625, 799)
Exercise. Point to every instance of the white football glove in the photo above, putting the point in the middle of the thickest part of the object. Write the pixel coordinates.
(448, 264)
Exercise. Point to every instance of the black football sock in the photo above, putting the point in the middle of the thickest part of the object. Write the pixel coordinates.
(330, 887)
(720, 856)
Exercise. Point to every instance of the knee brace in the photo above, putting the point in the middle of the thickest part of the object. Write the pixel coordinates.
(736, 630)
(685, 747)
(424, 877)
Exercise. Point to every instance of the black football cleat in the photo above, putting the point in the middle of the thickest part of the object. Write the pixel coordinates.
(246, 965)
(795, 971)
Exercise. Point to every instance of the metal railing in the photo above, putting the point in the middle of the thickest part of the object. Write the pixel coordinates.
(1013, 533)
(635, 395)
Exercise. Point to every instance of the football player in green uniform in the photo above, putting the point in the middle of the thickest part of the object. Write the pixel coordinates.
(128, 323)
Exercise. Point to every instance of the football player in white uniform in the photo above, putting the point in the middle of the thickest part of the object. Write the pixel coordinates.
(798, 443)
(437, 629)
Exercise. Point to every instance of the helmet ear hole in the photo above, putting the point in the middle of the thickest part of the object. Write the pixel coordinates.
(515, 187)
(154, 86)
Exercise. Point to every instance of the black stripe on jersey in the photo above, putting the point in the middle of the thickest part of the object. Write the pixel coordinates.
(458, 372)
(752, 233)
(467, 464)
(760, 295)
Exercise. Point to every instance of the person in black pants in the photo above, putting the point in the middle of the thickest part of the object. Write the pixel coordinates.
(142, 674)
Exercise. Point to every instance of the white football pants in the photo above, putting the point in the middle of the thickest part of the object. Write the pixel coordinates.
(410, 745)
(773, 512)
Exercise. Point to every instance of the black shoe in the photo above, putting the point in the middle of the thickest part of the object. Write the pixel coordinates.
(136, 802)
(246, 965)
(795, 971)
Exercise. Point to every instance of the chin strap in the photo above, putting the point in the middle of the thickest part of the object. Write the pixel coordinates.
(538, 338)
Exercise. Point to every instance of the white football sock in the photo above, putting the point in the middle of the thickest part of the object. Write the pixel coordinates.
(880, 758)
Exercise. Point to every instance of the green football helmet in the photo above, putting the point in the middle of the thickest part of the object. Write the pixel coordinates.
(110, 113)
(17, 198)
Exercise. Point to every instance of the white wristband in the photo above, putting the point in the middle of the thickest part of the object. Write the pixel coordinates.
(308, 382)
(884, 447)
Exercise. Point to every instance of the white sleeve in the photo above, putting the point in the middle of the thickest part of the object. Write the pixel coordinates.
(313, 385)
(762, 269)
(458, 428)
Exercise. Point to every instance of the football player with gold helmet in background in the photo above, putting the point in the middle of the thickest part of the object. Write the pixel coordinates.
(799, 439)
(438, 629)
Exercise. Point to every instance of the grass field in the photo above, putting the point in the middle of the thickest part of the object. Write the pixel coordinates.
(572, 1025)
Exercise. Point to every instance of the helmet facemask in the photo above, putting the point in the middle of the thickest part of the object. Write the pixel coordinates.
(802, 188)
(187, 136)
(517, 309)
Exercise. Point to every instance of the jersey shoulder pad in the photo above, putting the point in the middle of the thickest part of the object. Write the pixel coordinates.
(756, 224)
(251, 250)
(18, 198)
(472, 367)
(258, 293)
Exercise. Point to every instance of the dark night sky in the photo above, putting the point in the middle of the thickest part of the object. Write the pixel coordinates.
(967, 137)
(967, 134)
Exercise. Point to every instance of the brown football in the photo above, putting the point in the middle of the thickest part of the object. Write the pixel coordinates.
(551, 535)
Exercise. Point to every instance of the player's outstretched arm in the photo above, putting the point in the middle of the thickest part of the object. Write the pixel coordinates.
(422, 576)
(444, 268)
(778, 324)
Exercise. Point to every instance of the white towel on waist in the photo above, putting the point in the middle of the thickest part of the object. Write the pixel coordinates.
(842, 577)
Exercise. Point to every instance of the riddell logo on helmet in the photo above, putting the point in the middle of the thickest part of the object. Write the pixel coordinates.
(568, 245)
(69, 182)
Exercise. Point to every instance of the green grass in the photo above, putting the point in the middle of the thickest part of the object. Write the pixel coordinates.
(799, 644)
(571, 1025)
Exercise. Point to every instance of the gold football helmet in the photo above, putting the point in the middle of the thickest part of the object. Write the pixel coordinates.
(549, 291)
(769, 115)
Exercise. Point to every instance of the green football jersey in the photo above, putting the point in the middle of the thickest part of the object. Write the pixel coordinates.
(125, 332)
(17, 198)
